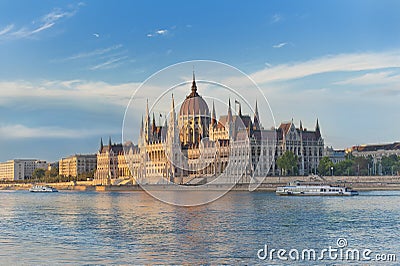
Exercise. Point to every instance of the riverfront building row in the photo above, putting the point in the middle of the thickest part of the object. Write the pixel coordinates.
(20, 169)
(77, 164)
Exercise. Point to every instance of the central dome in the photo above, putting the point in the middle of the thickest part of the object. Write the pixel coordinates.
(194, 103)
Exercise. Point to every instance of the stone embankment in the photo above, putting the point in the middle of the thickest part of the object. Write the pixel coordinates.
(270, 183)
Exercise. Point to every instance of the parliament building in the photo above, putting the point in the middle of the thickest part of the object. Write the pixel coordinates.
(193, 147)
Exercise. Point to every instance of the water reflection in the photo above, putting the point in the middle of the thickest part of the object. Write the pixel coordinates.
(134, 228)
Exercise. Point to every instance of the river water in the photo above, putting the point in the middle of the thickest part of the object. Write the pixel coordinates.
(92, 228)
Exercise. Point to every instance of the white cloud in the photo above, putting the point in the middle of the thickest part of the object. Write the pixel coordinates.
(280, 45)
(161, 32)
(43, 27)
(88, 92)
(276, 18)
(45, 22)
(325, 64)
(109, 64)
(96, 52)
(6, 29)
(384, 77)
(19, 131)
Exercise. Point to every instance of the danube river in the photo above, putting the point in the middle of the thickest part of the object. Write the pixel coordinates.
(133, 228)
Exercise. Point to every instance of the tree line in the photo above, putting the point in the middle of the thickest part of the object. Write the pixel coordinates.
(351, 166)
(52, 176)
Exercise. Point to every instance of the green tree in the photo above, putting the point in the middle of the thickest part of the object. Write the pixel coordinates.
(390, 164)
(324, 167)
(38, 173)
(287, 162)
(360, 166)
(52, 173)
(85, 176)
(344, 168)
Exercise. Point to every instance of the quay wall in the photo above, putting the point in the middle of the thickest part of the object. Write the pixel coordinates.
(270, 183)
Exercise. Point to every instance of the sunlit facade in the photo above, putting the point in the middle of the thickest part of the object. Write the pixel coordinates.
(192, 147)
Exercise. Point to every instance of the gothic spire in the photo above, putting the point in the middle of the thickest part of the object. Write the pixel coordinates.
(194, 87)
(317, 130)
(101, 144)
(256, 119)
(141, 128)
(172, 114)
(109, 143)
(153, 125)
(229, 111)
(213, 116)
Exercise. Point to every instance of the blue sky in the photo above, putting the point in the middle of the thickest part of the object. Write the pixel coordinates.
(68, 69)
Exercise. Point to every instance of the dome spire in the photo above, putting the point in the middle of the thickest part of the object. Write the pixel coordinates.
(194, 88)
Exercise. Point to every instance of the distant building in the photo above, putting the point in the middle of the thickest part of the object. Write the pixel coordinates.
(53, 165)
(111, 163)
(77, 164)
(336, 156)
(306, 144)
(376, 151)
(20, 169)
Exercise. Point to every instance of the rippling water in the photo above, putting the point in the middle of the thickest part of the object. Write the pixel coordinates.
(133, 228)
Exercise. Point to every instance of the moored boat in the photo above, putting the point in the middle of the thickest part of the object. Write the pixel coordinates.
(299, 189)
(40, 188)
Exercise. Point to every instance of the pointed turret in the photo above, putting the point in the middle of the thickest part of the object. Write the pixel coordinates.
(317, 130)
(301, 126)
(213, 116)
(256, 119)
(173, 123)
(173, 105)
(194, 87)
(230, 121)
(147, 123)
(229, 111)
(101, 144)
(153, 124)
(109, 143)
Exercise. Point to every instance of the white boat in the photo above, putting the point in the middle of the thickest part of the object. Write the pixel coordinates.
(39, 188)
(298, 189)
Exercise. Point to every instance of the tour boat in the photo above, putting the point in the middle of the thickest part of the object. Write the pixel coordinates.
(298, 189)
(39, 188)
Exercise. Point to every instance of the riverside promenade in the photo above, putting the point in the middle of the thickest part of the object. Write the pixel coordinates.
(270, 183)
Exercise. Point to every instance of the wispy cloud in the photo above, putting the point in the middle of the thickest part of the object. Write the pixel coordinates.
(45, 22)
(326, 64)
(161, 32)
(18, 131)
(88, 92)
(375, 78)
(6, 29)
(109, 64)
(280, 45)
(102, 58)
(276, 18)
(96, 52)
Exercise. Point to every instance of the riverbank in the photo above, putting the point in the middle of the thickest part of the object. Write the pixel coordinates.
(362, 183)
